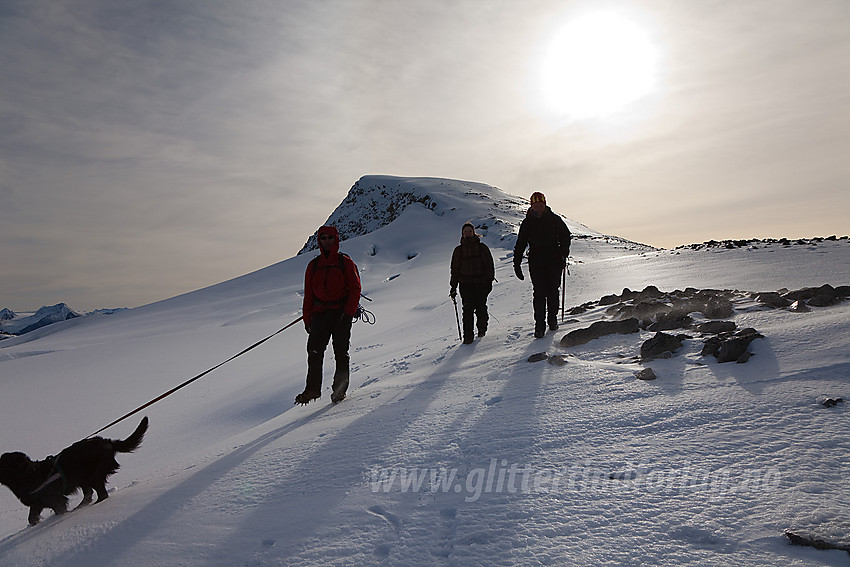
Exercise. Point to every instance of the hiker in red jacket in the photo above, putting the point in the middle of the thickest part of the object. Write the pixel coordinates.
(331, 299)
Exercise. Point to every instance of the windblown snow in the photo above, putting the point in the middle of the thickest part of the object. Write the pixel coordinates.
(446, 454)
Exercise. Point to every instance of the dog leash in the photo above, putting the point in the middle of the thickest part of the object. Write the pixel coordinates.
(187, 382)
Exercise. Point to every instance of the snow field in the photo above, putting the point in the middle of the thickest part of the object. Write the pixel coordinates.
(496, 461)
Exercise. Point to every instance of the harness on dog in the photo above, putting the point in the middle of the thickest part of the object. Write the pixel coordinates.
(55, 474)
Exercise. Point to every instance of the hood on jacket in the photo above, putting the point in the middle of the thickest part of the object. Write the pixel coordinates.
(530, 213)
(475, 236)
(331, 230)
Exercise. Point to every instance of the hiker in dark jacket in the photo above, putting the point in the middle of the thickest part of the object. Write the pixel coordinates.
(472, 268)
(331, 299)
(548, 241)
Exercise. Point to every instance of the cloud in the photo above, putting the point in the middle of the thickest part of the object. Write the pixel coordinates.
(149, 148)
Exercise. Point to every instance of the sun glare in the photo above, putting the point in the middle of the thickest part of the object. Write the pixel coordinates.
(597, 65)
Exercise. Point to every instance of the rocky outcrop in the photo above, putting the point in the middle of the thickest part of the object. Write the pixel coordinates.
(756, 243)
(729, 347)
(799, 300)
(661, 345)
(599, 329)
(658, 311)
(665, 311)
(717, 327)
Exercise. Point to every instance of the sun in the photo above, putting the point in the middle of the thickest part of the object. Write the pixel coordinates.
(597, 65)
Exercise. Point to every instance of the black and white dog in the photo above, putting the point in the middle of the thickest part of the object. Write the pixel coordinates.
(84, 465)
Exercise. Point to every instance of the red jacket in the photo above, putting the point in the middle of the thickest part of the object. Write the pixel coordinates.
(331, 281)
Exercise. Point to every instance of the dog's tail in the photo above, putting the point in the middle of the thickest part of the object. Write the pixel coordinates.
(132, 442)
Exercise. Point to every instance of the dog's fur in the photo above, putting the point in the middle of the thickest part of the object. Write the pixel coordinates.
(84, 465)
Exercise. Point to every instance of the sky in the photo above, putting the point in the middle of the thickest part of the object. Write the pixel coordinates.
(151, 148)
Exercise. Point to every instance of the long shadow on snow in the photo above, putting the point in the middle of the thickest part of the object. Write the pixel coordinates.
(457, 518)
(760, 371)
(340, 463)
(141, 524)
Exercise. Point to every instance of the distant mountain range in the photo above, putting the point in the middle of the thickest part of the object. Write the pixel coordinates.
(12, 324)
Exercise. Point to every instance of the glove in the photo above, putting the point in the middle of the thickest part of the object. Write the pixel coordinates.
(307, 327)
(453, 293)
(518, 271)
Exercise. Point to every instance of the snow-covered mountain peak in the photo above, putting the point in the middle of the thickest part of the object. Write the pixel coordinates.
(375, 201)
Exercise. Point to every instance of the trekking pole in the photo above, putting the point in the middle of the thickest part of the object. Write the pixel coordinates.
(459, 335)
(563, 290)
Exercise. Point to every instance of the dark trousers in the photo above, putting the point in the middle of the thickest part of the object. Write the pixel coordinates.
(546, 280)
(324, 326)
(474, 300)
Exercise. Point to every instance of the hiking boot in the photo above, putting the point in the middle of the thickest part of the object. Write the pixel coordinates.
(539, 332)
(307, 396)
(468, 340)
(339, 388)
(553, 325)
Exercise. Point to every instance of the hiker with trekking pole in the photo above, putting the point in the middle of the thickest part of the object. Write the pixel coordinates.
(331, 301)
(548, 240)
(472, 270)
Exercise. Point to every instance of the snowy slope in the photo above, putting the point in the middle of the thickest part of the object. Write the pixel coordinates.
(532, 463)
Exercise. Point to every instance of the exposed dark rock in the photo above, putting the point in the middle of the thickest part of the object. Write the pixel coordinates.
(670, 310)
(728, 347)
(599, 329)
(831, 402)
(717, 327)
(673, 319)
(710, 346)
(773, 299)
(718, 308)
(809, 293)
(581, 308)
(557, 360)
(755, 243)
(627, 294)
(744, 357)
(645, 311)
(609, 300)
(798, 539)
(537, 357)
(649, 292)
(646, 374)
(661, 345)
(824, 297)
